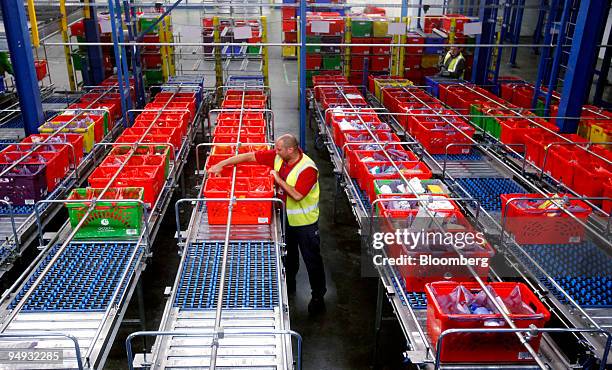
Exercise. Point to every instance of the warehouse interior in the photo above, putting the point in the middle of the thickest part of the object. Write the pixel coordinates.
(123, 248)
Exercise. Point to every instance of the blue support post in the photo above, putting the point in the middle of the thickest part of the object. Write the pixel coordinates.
(482, 57)
(302, 67)
(591, 18)
(404, 8)
(516, 34)
(554, 72)
(94, 73)
(419, 15)
(120, 57)
(20, 48)
(602, 79)
(545, 52)
(130, 19)
(537, 33)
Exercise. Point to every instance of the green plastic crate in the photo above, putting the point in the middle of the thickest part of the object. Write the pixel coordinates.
(313, 40)
(309, 75)
(154, 76)
(361, 28)
(332, 62)
(491, 125)
(108, 220)
(77, 61)
(475, 111)
(145, 23)
(253, 50)
(539, 109)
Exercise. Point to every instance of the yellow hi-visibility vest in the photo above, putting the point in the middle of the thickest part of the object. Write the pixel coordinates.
(454, 61)
(306, 211)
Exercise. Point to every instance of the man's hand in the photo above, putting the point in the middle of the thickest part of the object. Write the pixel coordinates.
(215, 170)
(276, 176)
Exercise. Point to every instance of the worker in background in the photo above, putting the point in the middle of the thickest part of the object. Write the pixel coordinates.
(453, 63)
(297, 179)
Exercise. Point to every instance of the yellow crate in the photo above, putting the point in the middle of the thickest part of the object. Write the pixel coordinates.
(584, 130)
(380, 29)
(289, 52)
(87, 133)
(429, 61)
(601, 133)
(379, 84)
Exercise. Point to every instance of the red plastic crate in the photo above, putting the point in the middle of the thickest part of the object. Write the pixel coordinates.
(435, 137)
(607, 192)
(56, 164)
(78, 28)
(179, 120)
(98, 123)
(379, 63)
(55, 144)
(460, 20)
(41, 69)
(409, 170)
(336, 24)
(482, 347)
(251, 102)
(172, 107)
(538, 141)
(137, 161)
(360, 50)
(146, 177)
(230, 119)
(358, 62)
(417, 39)
(531, 225)
(288, 12)
(242, 169)
(590, 176)
(382, 49)
(418, 276)
(244, 131)
(313, 61)
(289, 25)
(329, 78)
(245, 212)
(171, 135)
(433, 21)
(355, 157)
(369, 140)
(189, 101)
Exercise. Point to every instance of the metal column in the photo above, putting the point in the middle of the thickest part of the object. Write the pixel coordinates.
(20, 47)
(94, 71)
(591, 17)
(302, 67)
(482, 57)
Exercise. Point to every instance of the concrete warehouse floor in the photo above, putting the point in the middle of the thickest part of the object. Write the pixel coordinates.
(342, 338)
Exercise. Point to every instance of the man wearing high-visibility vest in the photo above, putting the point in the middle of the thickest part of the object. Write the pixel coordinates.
(297, 179)
(453, 64)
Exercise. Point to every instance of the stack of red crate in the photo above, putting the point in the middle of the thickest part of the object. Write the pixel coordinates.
(252, 180)
(162, 125)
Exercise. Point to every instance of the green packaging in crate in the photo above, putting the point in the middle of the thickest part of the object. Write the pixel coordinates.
(108, 220)
(313, 40)
(539, 109)
(332, 62)
(361, 28)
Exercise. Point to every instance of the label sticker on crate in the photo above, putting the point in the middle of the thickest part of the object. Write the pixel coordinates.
(524, 356)
(319, 27)
(131, 231)
(262, 220)
(396, 28)
(29, 202)
(241, 33)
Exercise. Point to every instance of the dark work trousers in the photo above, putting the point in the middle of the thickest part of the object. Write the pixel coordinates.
(308, 241)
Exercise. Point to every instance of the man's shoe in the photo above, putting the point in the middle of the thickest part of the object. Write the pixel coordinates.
(316, 306)
(290, 287)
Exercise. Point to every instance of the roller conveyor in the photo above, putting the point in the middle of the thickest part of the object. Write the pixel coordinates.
(483, 176)
(81, 289)
(254, 315)
(24, 217)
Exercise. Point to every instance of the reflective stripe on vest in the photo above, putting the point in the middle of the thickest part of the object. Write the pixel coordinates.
(454, 61)
(306, 211)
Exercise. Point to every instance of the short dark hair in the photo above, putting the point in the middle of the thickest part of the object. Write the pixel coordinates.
(289, 141)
